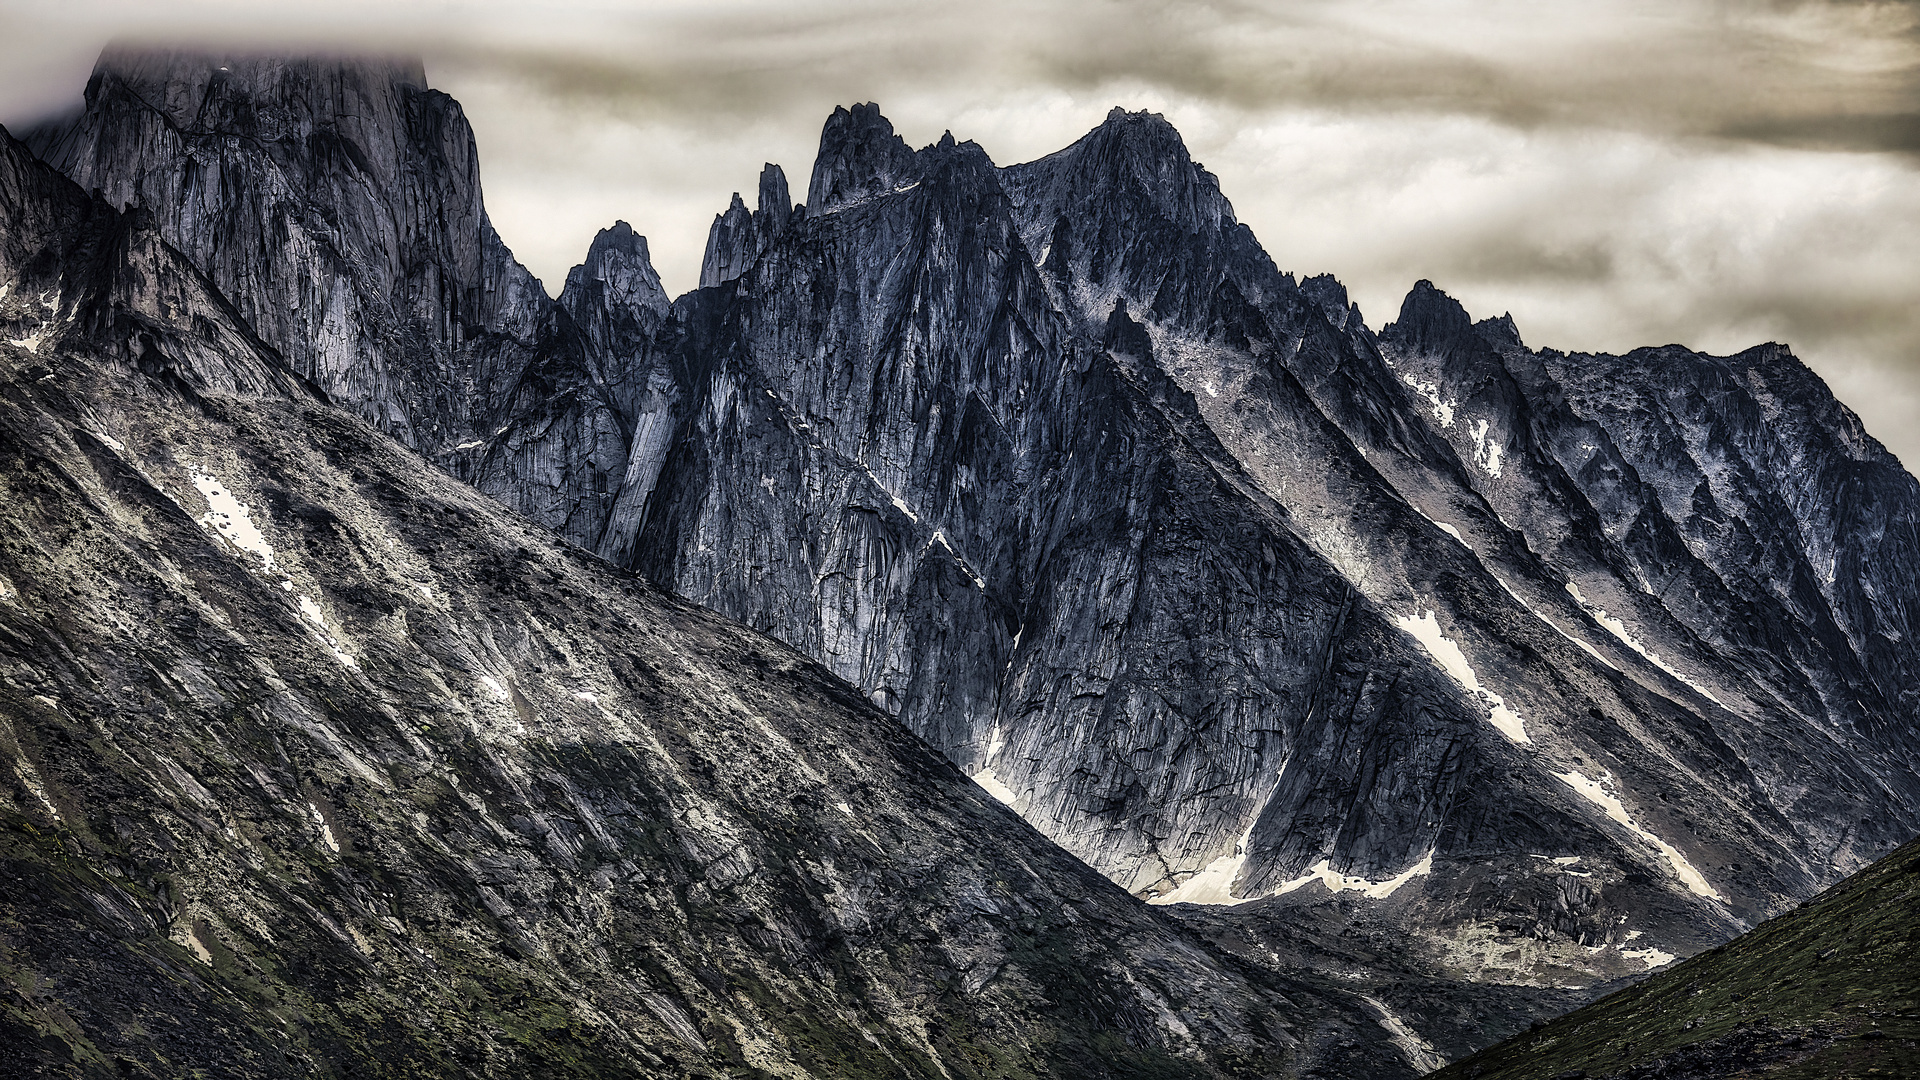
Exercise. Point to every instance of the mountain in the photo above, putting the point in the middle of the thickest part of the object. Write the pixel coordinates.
(1546, 668)
(319, 762)
(1236, 599)
(336, 203)
(1826, 991)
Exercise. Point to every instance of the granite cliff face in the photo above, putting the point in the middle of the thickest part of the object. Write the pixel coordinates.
(320, 763)
(1553, 666)
(336, 203)
(1233, 598)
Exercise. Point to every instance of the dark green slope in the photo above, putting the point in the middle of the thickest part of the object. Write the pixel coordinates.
(1829, 990)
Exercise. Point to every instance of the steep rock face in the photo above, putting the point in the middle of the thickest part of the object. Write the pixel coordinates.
(317, 762)
(1731, 522)
(616, 300)
(901, 462)
(1289, 385)
(337, 203)
(1213, 547)
(739, 235)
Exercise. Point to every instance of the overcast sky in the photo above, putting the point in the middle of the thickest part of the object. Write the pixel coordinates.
(1612, 173)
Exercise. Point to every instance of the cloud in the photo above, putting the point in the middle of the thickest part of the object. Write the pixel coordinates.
(1614, 173)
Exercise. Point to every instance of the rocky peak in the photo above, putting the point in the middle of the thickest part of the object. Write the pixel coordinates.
(1123, 335)
(1330, 296)
(335, 202)
(617, 275)
(739, 235)
(1139, 161)
(775, 204)
(1500, 332)
(860, 156)
(1431, 322)
(618, 258)
(730, 245)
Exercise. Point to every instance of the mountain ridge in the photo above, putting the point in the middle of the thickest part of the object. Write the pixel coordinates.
(322, 763)
(1552, 660)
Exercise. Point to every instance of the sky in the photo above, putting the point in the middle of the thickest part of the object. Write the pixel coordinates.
(1611, 173)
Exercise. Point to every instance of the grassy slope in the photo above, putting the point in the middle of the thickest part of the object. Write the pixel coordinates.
(1829, 990)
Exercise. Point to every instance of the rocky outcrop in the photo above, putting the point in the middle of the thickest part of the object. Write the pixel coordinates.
(337, 204)
(739, 235)
(1730, 522)
(318, 762)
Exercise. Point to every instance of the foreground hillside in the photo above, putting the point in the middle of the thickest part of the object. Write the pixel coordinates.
(1830, 990)
(315, 761)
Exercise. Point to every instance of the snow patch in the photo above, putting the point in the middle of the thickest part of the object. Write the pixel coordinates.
(230, 519)
(1425, 629)
(986, 779)
(1595, 792)
(311, 612)
(200, 952)
(1486, 452)
(1442, 410)
(116, 444)
(899, 503)
(1213, 885)
(30, 779)
(1652, 957)
(1619, 629)
(326, 830)
(965, 567)
(1554, 626)
(1420, 1053)
(1336, 881)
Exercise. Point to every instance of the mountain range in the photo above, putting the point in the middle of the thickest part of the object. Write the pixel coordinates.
(1544, 668)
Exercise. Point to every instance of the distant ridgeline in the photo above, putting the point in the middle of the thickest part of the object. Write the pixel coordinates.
(1543, 669)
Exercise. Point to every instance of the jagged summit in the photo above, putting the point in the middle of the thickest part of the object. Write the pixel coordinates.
(739, 235)
(1500, 331)
(1430, 319)
(617, 273)
(859, 156)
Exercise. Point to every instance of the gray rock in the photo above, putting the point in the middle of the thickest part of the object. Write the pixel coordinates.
(318, 761)
(1231, 597)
